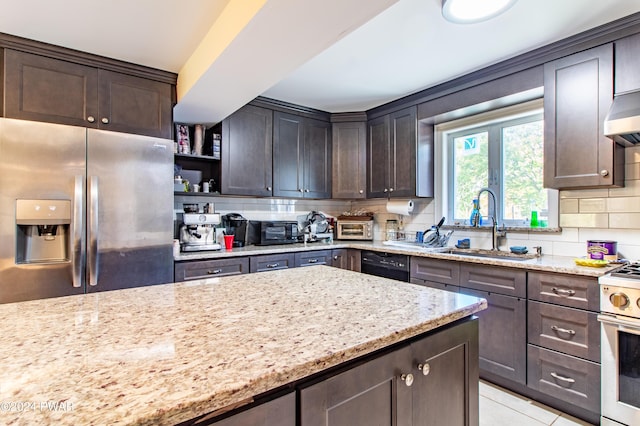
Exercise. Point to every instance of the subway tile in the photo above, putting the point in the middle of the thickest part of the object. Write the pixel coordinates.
(592, 205)
(584, 193)
(624, 220)
(624, 205)
(569, 205)
(587, 220)
(632, 171)
(632, 154)
(569, 249)
(631, 189)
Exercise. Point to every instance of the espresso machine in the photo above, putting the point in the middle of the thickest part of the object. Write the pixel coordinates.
(198, 232)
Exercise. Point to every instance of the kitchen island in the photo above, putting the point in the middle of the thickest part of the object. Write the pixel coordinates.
(170, 353)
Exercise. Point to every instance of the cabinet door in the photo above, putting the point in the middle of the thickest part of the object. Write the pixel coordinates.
(627, 77)
(339, 258)
(288, 155)
(445, 390)
(280, 411)
(511, 282)
(354, 260)
(378, 157)
(578, 90)
(435, 270)
(271, 262)
(44, 89)
(349, 160)
(402, 169)
(247, 152)
(567, 290)
(372, 393)
(317, 159)
(503, 335)
(134, 105)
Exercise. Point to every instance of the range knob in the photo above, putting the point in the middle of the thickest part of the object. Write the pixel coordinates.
(619, 300)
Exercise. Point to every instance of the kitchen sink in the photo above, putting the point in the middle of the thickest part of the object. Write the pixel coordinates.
(416, 246)
(492, 254)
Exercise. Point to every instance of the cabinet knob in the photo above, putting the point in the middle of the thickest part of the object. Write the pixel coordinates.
(390, 189)
(407, 379)
(105, 120)
(306, 190)
(385, 190)
(604, 173)
(335, 257)
(268, 188)
(425, 368)
(301, 190)
(91, 119)
(361, 191)
(619, 300)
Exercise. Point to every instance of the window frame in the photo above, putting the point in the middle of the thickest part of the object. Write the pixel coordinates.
(492, 121)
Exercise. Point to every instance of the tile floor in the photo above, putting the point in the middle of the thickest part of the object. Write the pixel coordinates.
(500, 407)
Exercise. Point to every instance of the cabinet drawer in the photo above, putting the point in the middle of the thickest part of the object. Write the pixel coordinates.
(433, 270)
(270, 262)
(439, 286)
(310, 258)
(510, 282)
(565, 377)
(572, 331)
(568, 290)
(185, 271)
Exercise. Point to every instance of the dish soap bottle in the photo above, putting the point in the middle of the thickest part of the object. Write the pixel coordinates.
(475, 219)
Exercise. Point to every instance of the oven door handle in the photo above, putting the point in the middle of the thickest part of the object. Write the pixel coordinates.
(629, 326)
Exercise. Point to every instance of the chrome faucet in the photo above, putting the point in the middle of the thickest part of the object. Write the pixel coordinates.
(495, 233)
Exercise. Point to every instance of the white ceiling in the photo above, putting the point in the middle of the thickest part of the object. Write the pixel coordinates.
(334, 55)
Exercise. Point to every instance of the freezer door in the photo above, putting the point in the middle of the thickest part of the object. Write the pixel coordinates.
(42, 166)
(129, 210)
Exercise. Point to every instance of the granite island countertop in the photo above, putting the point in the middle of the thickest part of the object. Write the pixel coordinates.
(168, 353)
(545, 263)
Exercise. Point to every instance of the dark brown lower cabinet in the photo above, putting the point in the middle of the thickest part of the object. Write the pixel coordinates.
(503, 335)
(201, 269)
(280, 411)
(434, 381)
(346, 259)
(271, 262)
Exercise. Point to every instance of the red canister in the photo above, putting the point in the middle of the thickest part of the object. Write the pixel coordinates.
(602, 250)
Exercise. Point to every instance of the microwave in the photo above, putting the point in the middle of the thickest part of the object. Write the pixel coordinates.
(264, 233)
(354, 230)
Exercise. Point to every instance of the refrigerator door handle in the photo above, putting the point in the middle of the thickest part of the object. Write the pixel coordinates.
(93, 231)
(78, 251)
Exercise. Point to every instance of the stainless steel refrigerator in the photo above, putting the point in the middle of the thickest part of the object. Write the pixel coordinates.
(82, 210)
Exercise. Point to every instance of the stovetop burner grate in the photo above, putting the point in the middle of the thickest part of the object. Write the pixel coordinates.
(631, 270)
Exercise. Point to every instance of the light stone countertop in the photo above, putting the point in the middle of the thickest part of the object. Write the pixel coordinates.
(545, 263)
(168, 353)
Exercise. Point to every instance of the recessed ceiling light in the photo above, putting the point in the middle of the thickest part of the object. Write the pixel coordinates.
(471, 11)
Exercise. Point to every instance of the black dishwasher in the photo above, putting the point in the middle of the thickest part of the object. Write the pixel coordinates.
(387, 265)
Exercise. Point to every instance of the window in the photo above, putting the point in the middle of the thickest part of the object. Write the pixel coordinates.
(503, 151)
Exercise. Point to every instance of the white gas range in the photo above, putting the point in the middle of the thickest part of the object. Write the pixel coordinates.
(620, 345)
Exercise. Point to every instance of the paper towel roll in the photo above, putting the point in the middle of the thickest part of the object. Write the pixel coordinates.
(403, 207)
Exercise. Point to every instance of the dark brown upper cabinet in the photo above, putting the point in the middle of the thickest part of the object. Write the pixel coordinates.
(627, 57)
(41, 88)
(391, 155)
(578, 90)
(247, 144)
(301, 157)
(349, 160)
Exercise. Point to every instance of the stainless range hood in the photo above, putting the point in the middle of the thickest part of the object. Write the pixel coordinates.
(622, 123)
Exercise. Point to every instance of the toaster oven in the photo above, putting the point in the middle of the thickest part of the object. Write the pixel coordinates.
(354, 230)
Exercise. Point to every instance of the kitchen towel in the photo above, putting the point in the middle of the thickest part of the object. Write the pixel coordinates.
(403, 207)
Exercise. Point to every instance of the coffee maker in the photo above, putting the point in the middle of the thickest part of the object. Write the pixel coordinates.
(235, 224)
(198, 232)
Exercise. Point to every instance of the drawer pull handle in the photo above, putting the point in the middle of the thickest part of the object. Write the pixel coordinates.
(313, 260)
(562, 378)
(562, 330)
(563, 292)
(273, 265)
(214, 271)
